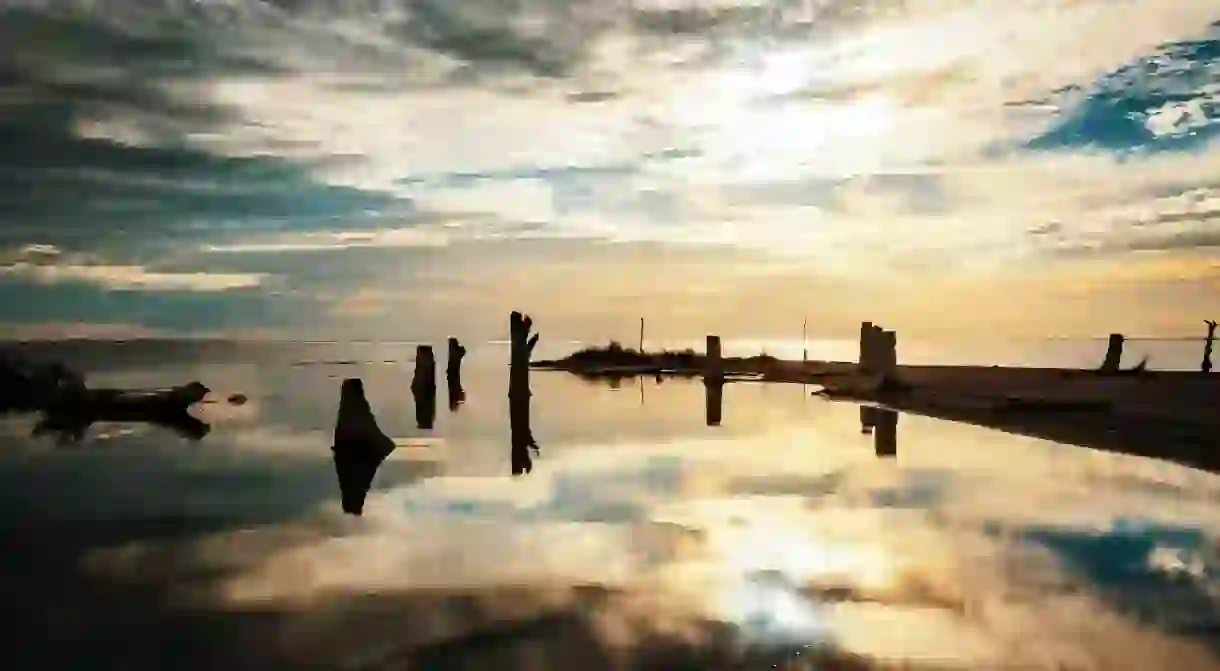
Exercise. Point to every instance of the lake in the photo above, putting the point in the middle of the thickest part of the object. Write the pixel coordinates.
(642, 538)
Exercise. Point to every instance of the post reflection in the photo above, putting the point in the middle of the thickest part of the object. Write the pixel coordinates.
(423, 387)
(453, 375)
(885, 437)
(713, 400)
(69, 427)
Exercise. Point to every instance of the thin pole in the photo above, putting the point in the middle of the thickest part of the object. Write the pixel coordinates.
(641, 334)
(805, 340)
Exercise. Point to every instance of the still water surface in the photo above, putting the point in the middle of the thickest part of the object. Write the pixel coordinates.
(643, 538)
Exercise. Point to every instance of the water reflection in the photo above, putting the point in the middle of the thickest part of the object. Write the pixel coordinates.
(453, 374)
(643, 539)
(882, 423)
(713, 401)
(70, 427)
(423, 387)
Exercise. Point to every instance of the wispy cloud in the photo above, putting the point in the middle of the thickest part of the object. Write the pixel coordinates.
(46, 264)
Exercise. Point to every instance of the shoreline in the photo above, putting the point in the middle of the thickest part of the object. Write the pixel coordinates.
(1167, 415)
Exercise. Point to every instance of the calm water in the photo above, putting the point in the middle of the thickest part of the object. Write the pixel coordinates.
(643, 538)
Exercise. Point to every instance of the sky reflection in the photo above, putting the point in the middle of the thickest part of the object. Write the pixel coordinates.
(967, 548)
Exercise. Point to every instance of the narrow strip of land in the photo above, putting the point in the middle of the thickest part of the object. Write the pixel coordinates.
(1171, 415)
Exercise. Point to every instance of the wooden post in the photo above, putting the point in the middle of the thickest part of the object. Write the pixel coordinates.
(1206, 366)
(453, 374)
(641, 335)
(522, 436)
(888, 353)
(866, 332)
(423, 387)
(359, 446)
(714, 360)
(1114, 353)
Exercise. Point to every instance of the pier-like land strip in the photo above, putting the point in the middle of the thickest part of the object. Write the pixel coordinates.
(1170, 415)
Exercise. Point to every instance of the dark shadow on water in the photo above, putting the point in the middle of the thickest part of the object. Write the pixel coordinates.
(360, 447)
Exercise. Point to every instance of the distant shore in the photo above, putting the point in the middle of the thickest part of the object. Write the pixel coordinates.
(1171, 415)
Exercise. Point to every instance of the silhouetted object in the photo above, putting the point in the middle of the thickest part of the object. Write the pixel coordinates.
(885, 438)
(453, 374)
(522, 345)
(868, 419)
(713, 400)
(423, 387)
(1114, 354)
(68, 423)
(714, 359)
(359, 448)
(878, 352)
(70, 413)
(29, 385)
(1206, 366)
(866, 337)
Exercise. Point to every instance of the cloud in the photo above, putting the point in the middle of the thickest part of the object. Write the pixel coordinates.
(46, 264)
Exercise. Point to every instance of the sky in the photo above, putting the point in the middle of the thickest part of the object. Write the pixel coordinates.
(410, 169)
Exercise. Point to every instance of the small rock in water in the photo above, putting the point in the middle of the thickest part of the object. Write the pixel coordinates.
(238, 399)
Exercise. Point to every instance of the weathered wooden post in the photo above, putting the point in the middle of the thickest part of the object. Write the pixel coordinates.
(359, 446)
(1114, 354)
(887, 355)
(1206, 366)
(521, 344)
(866, 333)
(423, 387)
(453, 374)
(713, 381)
(885, 438)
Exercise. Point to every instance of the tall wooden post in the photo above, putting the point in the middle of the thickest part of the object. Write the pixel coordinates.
(522, 345)
(423, 387)
(866, 333)
(1206, 366)
(713, 380)
(453, 374)
(1114, 353)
